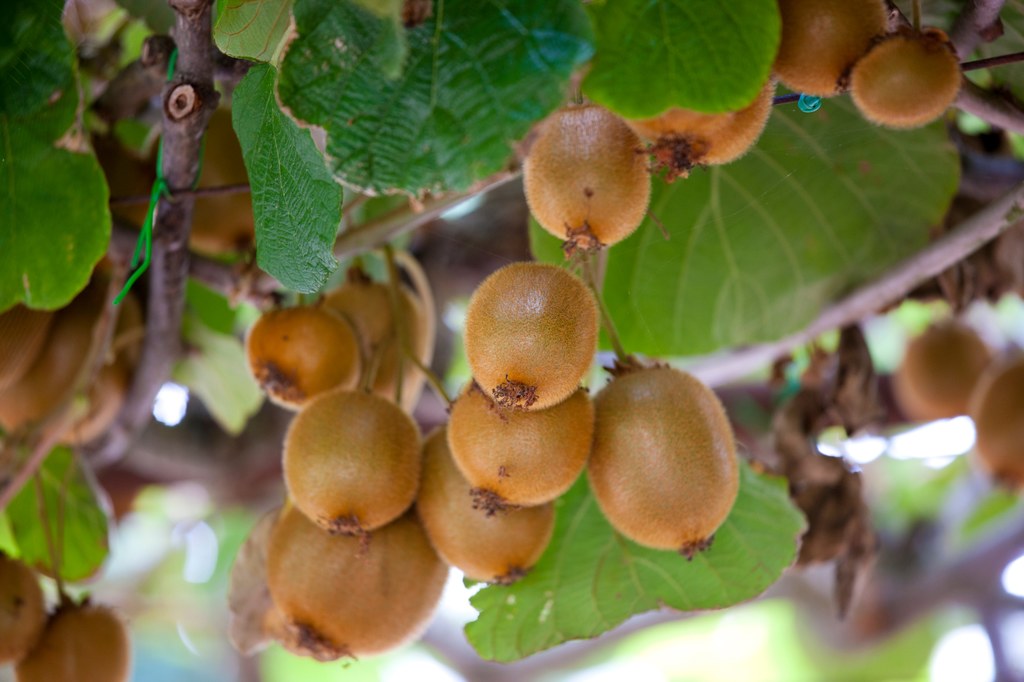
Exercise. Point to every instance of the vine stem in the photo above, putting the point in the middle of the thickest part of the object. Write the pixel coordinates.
(890, 288)
(402, 331)
(590, 277)
(915, 15)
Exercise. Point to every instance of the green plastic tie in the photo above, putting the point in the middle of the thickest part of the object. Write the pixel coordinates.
(144, 244)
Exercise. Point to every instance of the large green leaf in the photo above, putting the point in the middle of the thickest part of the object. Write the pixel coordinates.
(296, 203)
(36, 58)
(651, 55)
(54, 218)
(477, 76)
(76, 515)
(215, 369)
(251, 29)
(591, 578)
(824, 202)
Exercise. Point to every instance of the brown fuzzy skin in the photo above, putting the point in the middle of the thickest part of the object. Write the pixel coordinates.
(339, 597)
(298, 353)
(907, 80)
(585, 178)
(664, 469)
(821, 40)
(84, 643)
(367, 306)
(997, 407)
(222, 223)
(517, 457)
(939, 370)
(683, 139)
(531, 334)
(22, 610)
(50, 378)
(352, 461)
(499, 548)
(22, 333)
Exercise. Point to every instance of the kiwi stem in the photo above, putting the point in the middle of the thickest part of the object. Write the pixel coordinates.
(51, 547)
(606, 319)
(915, 16)
(403, 337)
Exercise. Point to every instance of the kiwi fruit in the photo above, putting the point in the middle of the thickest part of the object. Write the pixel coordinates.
(298, 353)
(907, 80)
(352, 461)
(22, 609)
(366, 304)
(222, 223)
(337, 597)
(497, 548)
(997, 407)
(682, 139)
(664, 469)
(516, 457)
(22, 332)
(81, 643)
(530, 334)
(53, 374)
(939, 370)
(821, 40)
(585, 178)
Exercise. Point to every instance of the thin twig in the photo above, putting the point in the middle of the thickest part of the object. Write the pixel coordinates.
(198, 192)
(975, 24)
(968, 237)
(1001, 109)
(591, 279)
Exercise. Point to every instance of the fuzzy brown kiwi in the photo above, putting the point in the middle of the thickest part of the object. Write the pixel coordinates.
(682, 139)
(222, 223)
(22, 609)
(498, 548)
(515, 457)
(997, 407)
(530, 334)
(664, 469)
(81, 643)
(585, 178)
(339, 597)
(366, 304)
(106, 394)
(939, 370)
(907, 80)
(352, 461)
(298, 353)
(821, 40)
(22, 333)
(53, 374)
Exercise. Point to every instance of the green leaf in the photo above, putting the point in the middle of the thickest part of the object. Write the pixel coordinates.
(591, 578)
(477, 77)
(296, 203)
(708, 56)
(994, 508)
(251, 29)
(36, 58)
(824, 202)
(75, 510)
(53, 199)
(214, 368)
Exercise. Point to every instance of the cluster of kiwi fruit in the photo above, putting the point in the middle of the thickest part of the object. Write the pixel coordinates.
(77, 642)
(349, 568)
(43, 353)
(949, 371)
(585, 176)
(901, 79)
